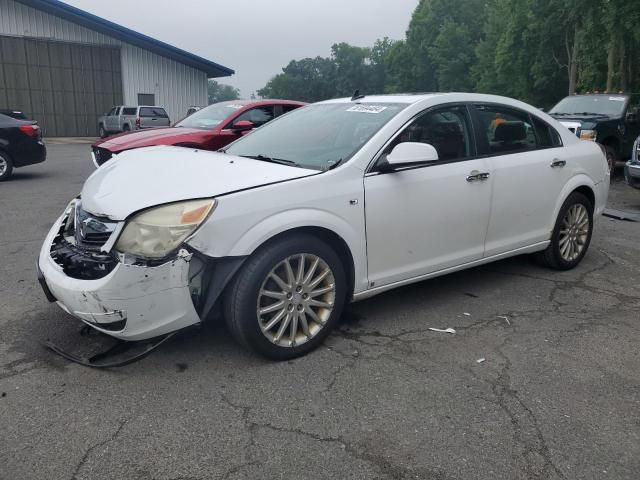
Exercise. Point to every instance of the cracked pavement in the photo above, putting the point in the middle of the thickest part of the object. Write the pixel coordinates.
(557, 397)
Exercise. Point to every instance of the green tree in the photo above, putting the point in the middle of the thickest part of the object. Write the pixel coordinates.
(307, 80)
(218, 92)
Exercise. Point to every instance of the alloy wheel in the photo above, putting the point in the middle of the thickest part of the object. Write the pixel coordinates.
(3, 166)
(296, 300)
(574, 232)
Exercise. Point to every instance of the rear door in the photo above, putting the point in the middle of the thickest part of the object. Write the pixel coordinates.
(111, 120)
(529, 167)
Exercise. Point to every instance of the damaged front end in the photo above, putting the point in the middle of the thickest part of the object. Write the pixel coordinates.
(122, 295)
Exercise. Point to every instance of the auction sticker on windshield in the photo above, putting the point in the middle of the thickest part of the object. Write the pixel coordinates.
(617, 99)
(235, 106)
(367, 108)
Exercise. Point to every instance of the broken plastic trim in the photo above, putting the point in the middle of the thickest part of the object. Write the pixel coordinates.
(122, 346)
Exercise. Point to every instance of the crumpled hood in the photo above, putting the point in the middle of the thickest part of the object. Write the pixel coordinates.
(143, 178)
(150, 137)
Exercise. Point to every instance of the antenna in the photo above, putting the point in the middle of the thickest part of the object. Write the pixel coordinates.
(356, 96)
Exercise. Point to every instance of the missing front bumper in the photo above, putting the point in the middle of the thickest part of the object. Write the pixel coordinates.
(130, 302)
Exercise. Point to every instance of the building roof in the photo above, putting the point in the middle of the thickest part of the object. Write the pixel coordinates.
(98, 24)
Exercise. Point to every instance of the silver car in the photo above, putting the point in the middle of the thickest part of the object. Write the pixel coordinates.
(122, 118)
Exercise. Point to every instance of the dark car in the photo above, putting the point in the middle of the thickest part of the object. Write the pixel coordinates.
(210, 128)
(609, 119)
(17, 114)
(20, 144)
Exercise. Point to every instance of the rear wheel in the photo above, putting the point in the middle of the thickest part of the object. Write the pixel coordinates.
(612, 158)
(571, 235)
(126, 127)
(6, 166)
(287, 297)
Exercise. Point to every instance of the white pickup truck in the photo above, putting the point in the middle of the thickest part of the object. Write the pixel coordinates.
(122, 118)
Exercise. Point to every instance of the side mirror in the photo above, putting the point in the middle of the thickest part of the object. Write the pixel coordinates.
(242, 126)
(409, 154)
(632, 117)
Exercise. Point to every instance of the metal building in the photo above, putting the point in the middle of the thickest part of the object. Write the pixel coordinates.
(65, 67)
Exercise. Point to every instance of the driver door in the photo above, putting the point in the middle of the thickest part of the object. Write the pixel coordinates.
(433, 217)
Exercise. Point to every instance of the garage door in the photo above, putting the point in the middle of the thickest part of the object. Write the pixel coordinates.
(64, 86)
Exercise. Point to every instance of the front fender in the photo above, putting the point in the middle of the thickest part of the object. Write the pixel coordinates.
(262, 231)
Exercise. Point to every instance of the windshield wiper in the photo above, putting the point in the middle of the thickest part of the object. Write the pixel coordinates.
(264, 158)
(589, 113)
(333, 164)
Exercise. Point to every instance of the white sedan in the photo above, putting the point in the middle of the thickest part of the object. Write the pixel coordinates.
(332, 203)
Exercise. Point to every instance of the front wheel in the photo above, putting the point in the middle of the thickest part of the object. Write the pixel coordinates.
(6, 167)
(286, 298)
(102, 132)
(571, 235)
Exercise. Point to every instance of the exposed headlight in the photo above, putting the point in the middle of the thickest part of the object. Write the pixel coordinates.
(156, 232)
(588, 135)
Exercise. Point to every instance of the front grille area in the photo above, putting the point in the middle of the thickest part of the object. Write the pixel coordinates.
(76, 247)
(90, 231)
(102, 155)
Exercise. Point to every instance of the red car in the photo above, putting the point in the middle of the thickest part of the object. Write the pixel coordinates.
(211, 128)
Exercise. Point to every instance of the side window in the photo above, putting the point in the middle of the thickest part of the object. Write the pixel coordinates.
(546, 135)
(129, 111)
(447, 129)
(112, 112)
(258, 116)
(117, 112)
(153, 112)
(506, 130)
(634, 108)
(289, 108)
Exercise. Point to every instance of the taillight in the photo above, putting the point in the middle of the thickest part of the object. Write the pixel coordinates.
(31, 130)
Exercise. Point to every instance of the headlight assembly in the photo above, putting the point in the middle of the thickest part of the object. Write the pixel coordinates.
(154, 233)
(588, 135)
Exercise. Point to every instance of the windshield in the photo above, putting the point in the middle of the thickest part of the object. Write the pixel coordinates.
(211, 116)
(598, 104)
(317, 136)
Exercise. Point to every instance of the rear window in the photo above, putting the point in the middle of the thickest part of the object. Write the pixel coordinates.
(14, 114)
(129, 111)
(153, 112)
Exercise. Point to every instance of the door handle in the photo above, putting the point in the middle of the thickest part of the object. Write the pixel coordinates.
(558, 163)
(476, 176)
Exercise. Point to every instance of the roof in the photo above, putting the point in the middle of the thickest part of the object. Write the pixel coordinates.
(388, 98)
(257, 103)
(98, 24)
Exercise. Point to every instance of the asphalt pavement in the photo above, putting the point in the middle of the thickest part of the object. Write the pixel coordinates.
(556, 397)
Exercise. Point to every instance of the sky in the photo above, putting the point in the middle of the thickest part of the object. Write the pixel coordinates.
(256, 38)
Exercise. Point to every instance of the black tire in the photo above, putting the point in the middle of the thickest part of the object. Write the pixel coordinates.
(8, 166)
(101, 131)
(612, 158)
(551, 257)
(242, 295)
(126, 128)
